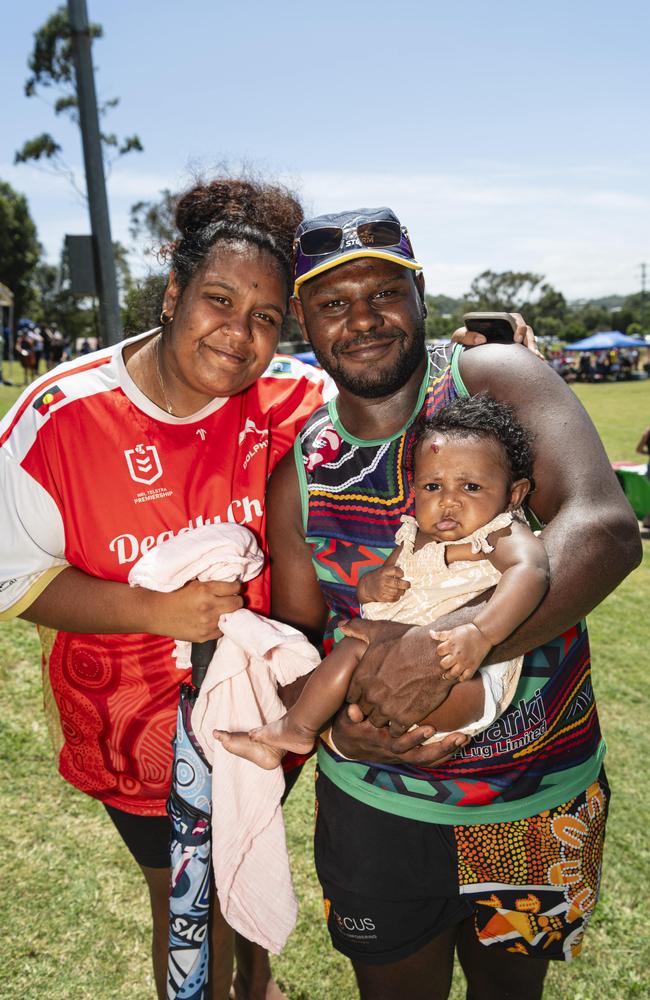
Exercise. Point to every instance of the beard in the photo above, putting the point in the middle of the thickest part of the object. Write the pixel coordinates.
(376, 382)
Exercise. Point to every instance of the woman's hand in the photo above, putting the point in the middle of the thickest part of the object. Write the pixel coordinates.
(192, 612)
(523, 335)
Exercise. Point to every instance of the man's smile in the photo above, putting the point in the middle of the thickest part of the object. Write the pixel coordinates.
(370, 348)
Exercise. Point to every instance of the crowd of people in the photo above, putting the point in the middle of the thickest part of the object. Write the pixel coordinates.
(616, 365)
(427, 851)
(39, 347)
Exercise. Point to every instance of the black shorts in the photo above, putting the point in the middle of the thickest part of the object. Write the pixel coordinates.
(148, 838)
(393, 884)
(389, 884)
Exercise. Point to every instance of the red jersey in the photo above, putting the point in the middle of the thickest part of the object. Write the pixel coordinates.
(94, 475)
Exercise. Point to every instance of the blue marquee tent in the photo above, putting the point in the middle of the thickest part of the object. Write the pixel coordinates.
(605, 342)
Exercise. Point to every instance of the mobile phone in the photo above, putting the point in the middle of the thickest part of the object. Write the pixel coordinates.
(497, 328)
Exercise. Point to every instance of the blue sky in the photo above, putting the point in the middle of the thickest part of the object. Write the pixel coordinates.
(505, 135)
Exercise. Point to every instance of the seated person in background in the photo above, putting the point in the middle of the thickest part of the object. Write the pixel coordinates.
(471, 472)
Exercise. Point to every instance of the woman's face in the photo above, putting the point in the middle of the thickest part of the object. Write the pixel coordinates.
(226, 322)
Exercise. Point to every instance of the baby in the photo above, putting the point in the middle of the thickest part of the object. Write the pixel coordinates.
(472, 469)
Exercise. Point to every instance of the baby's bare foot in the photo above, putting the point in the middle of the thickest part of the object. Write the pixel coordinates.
(285, 733)
(241, 745)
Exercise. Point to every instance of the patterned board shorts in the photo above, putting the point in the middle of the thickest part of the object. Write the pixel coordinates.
(530, 885)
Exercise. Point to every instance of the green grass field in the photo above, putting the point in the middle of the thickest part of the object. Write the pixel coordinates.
(75, 918)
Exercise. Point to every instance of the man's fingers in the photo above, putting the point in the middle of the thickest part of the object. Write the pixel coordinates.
(376, 717)
(411, 739)
(468, 338)
(525, 335)
(434, 754)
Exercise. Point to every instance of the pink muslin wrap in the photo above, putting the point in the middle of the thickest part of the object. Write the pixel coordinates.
(254, 656)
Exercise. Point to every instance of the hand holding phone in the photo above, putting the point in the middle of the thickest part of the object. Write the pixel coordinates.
(497, 328)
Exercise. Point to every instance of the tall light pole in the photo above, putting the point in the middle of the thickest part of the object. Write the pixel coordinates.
(109, 307)
(642, 300)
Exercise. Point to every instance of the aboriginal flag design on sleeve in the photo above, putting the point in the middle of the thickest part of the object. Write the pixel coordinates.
(546, 747)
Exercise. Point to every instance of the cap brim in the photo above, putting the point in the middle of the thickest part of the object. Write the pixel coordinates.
(357, 254)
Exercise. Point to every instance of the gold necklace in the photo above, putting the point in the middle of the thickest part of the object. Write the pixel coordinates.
(168, 405)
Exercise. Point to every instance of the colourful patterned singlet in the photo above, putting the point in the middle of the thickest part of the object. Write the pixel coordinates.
(547, 746)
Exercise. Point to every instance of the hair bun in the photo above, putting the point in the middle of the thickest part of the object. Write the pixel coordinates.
(268, 207)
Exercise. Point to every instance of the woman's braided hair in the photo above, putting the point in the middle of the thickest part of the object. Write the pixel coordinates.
(233, 210)
(481, 416)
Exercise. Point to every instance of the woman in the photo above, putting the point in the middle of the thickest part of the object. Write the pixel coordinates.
(114, 452)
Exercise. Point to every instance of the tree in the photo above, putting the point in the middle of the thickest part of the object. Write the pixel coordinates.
(51, 65)
(505, 291)
(524, 292)
(55, 304)
(20, 250)
(153, 221)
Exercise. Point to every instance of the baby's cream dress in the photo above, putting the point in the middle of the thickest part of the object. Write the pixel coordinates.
(437, 588)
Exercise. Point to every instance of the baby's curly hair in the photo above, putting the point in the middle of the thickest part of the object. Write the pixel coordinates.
(233, 210)
(481, 416)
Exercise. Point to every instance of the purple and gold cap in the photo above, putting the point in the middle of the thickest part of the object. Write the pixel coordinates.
(326, 241)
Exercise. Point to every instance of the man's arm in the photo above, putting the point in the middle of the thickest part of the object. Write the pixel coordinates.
(591, 537)
(296, 597)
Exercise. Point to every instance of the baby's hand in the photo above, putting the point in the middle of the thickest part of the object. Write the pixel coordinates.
(461, 651)
(383, 584)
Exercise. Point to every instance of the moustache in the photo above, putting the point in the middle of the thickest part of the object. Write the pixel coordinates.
(364, 340)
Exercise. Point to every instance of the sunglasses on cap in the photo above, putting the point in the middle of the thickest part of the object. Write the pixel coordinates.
(329, 239)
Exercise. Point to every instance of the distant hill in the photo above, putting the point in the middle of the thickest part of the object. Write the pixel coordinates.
(444, 305)
(606, 302)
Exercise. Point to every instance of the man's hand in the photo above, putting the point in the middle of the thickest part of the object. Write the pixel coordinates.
(461, 651)
(523, 335)
(385, 584)
(362, 741)
(399, 678)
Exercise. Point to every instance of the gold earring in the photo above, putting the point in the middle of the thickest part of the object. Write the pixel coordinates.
(165, 318)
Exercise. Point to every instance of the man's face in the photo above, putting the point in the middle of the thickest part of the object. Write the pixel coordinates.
(365, 322)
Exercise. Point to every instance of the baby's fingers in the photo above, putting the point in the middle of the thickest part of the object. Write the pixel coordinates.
(445, 651)
(439, 636)
(355, 714)
(455, 670)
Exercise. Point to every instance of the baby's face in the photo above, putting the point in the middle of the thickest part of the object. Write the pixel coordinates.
(460, 484)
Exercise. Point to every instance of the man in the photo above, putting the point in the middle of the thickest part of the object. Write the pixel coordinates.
(491, 848)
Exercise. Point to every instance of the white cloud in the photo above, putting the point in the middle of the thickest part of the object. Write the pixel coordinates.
(584, 227)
